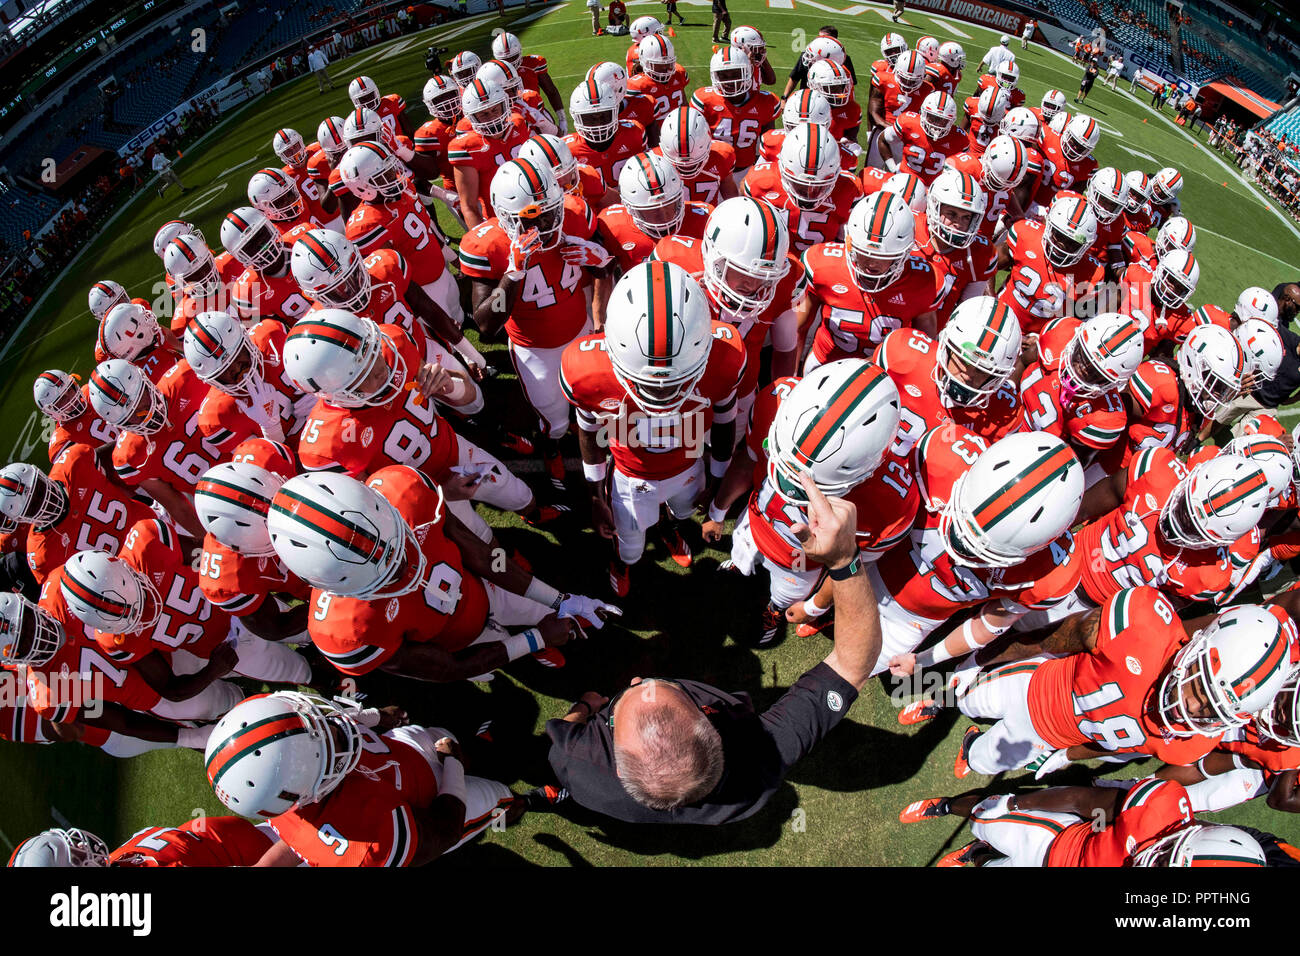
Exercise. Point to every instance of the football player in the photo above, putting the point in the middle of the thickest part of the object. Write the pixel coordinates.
(1107, 194)
(533, 71)
(806, 183)
(131, 331)
(433, 138)
(737, 112)
(319, 204)
(948, 236)
(944, 74)
(364, 94)
(641, 28)
(576, 179)
(266, 289)
(863, 288)
(59, 398)
(653, 206)
(662, 79)
(660, 379)
(203, 841)
(495, 136)
(901, 88)
(638, 108)
(535, 271)
(1067, 157)
(346, 808)
(202, 283)
(600, 138)
(76, 507)
(276, 195)
(434, 606)
(834, 82)
(1165, 187)
(1159, 298)
(806, 106)
(322, 164)
(984, 118)
(751, 41)
(703, 164)
(1049, 266)
(1000, 170)
(921, 142)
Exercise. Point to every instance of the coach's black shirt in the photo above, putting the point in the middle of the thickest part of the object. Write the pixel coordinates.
(758, 749)
(799, 72)
(1286, 383)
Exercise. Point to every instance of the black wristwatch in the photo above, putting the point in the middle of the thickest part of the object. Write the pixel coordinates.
(846, 572)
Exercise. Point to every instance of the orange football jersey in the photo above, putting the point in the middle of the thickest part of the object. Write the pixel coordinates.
(620, 234)
(956, 269)
(1153, 809)
(1035, 290)
(203, 841)
(665, 96)
(706, 185)
(404, 225)
(179, 453)
(628, 140)
(1087, 425)
(740, 124)
(223, 419)
(257, 297)
(1058, 172)
(807, 227)
(86, 429)
(484, 155)
(922, 155)
(239, 584)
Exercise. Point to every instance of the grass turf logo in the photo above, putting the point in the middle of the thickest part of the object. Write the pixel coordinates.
(76, 909)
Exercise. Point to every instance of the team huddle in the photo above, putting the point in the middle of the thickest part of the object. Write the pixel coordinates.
(965, 328)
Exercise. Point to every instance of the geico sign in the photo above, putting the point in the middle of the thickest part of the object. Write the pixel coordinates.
(1151, 66)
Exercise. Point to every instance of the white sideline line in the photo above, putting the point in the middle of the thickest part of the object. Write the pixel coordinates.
(957, 30)
(780, 4)
(538, 15)
(1289, 263)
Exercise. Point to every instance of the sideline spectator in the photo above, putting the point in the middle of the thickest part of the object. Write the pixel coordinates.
(163, 167)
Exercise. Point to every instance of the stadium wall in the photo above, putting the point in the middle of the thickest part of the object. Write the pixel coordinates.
(1134, 60)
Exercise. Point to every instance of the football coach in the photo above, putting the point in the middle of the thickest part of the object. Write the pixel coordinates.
(678, 751)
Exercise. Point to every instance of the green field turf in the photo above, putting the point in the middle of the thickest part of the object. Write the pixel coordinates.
(840, 806)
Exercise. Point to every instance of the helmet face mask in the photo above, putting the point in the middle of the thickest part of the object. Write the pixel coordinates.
(744, 251)
(976, 353)
(289, 147)
(1281, 720)
(1188, 703)
(58, 396)
(487, 107)
(364, 93)
(686, 141)
(29, 636)
(57, 847)
(463, 67)
(144, 412)
(106, 593)
(1064, 244)
(938, 113)
(29, 496)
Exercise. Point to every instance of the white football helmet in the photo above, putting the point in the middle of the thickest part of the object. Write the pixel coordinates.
(951, 55)
(464, 67)
(976, 352)
(892, 46)
(1211, 365)
(685, 139)
(658, 58)
(274, 752)
(1020, 496)
(330, 136)
(833, 81)
(506, 47)
(108, 594)
(504, 75)
(372, 173)
(823, 48)
(442, 99)
(1008, 74)
(251, 239)
(364, 93)
(547, 149)
(1226, 674)
(29, 635)
(189, 261)
(1004, 162)
(276, 195)
(1107, 193)
(642, 27)
(992, 106)
(487, 107)
(221, 353)
(1021, 123)
(658, 335)
(1272, 456)
(341, 536)
(1262, 345)
(594, 108)
(527, 196)
(1053, 103)
(122, 395)
(1139, 190)
(611, 74)
(808, 164)
(1080, 137)
(337, 356)
(170, 230)
(951, 194)
(803, 106)
(329, 269)
(878, 238)
(232, 500)
(1175, 278)
(289, 147)
(652, 192)
(129, 331)
(1256, 303)
(745, 253)
(1216, 503)
(1166, 185)
(938, 114)
(1203, 844)
(62, 848)
(1176, 233)
(928, 47)
(1070, 230)
(58, 396)
(29, 496)
(106, 294)
(835, 425)
(1101, 356)
(909, 187)
(1281, 721)
(363, 126)
(909, 71)
(751, 41)
(731, 73)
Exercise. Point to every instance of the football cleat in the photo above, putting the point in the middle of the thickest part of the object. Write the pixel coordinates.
(678, 549)
(919, 711)
(965, 856)
(929, 809)
(620, 578)
(960, 767)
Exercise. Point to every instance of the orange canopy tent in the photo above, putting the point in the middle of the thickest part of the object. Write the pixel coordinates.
(1231, 88)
